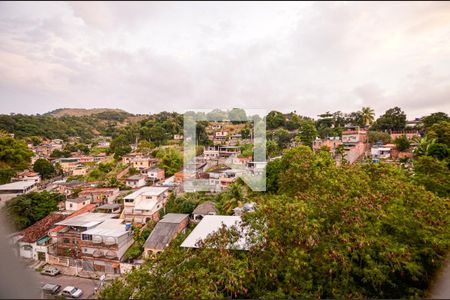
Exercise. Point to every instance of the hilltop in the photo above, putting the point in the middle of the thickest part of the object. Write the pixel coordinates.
(79, 112)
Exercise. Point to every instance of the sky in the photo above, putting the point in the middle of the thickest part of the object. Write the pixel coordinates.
(148, 57)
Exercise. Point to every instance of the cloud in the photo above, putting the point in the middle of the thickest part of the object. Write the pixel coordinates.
(148, 57)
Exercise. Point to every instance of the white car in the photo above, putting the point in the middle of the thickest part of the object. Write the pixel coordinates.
(50, 271)
(72, 292)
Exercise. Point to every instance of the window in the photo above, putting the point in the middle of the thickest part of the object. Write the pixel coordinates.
(86, 237)
(66, 241)
(71, 205)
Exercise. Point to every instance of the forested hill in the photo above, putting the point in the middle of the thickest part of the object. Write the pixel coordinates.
(79, 112)
(105, 123)
(65, 123)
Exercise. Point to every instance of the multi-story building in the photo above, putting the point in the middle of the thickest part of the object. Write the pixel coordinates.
(144, 204)
(104, 245)
(68, 233)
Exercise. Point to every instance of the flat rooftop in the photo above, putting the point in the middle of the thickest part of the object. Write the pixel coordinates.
(111, 227)
(147, 191)
(174, 218)
(86, 220)
(18, 185)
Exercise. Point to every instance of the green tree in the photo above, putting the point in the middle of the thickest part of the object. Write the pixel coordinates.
(44, 168)
(438, 151)
(379, 136)
(308, 132)
(402, 143)
(275, 120)
(441, 132)
(25, 210)
(393, 119)
(282, 137)
(367, 115)
(433, 174)
(171, 160)
(434, 118)
(120, 146)
(14, 153)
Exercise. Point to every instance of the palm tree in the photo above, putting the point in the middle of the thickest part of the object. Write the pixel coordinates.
(232, 198)
(424, 146)
(368, 116)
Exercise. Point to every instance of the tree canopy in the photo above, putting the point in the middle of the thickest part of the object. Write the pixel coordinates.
(327, 231)
(25, 210)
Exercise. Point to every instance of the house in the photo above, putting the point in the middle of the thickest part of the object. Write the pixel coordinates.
(155, 174)
(113, 208)
(69, 163)
(68, 233)
(139, 161)
(77, 203)
(207, 208)
(103, 144)
(331, 142)
(380, 152)
(221, 134)
(27, 176)
(164, 232)
(181, 177)
(355, 143)
(103, 246)
(14, 189)
(135, 181)
(144, 204)
(177, 137)
(79, 170)
(35, 242)
(354, 135)
(100, 195)
(212, 224)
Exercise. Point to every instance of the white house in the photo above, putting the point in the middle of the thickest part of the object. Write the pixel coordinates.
(35, 242)
(144, 204)
(136, 181)
(14, 189)
(77, 203)
(380, 152)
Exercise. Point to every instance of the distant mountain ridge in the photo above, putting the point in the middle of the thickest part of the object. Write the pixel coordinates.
(78, 112)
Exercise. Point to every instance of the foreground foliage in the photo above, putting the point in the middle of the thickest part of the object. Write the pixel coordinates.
(329, 232)
(25, 210)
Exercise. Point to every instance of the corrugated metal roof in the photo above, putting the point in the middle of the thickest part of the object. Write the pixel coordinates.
(86, 219)
(212, 224)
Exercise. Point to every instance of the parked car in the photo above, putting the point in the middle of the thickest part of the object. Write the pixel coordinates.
(50, 271)
(51, 288)
(72, 292)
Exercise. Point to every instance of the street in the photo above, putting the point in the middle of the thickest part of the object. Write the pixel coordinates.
(85, 284)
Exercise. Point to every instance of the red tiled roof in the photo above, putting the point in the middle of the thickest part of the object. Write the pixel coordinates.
(40, 228)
